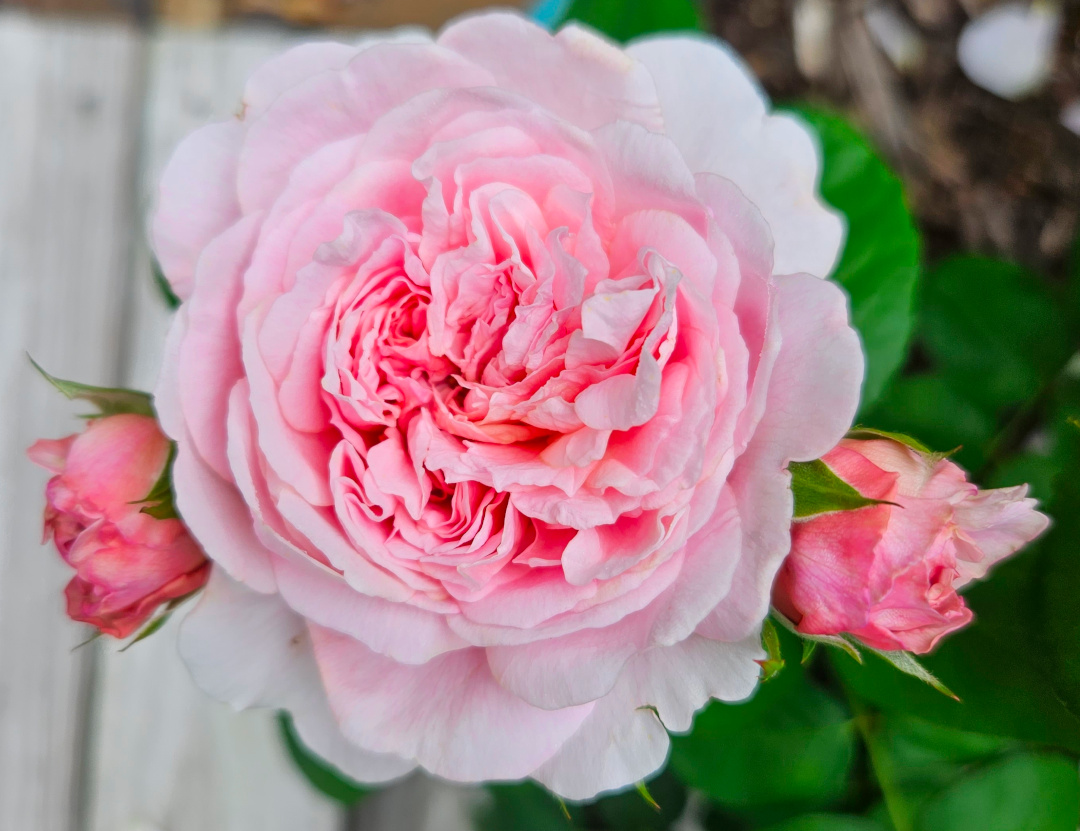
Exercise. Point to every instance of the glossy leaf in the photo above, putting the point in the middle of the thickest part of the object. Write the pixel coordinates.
(829, 822)
(1026, 792)
(880, 264)
(323, 776)
(624, 20)
(926, 757)
(928, 406)
(993, 329)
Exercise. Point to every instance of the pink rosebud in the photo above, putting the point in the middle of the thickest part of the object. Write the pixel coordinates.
(127, 562)
(888, 574)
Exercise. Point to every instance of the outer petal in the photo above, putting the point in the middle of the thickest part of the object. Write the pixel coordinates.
(196, 200)
(993, 525)
(290, 68)
(250, 650)
(209, 361)
(219, 519)
(293, 67)
(717, 115)
(449, 714)
(623, 741)
(400, 631)
(525, 59)
(814, 388)
(336, 104)
(812, 397)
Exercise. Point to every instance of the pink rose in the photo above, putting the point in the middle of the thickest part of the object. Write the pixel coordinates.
(484, 390)
(888, 574)
(127, 563)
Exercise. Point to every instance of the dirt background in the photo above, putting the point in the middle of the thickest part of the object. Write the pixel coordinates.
(982, 173)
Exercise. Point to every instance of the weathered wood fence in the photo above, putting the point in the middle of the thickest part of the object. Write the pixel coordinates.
(92, 740)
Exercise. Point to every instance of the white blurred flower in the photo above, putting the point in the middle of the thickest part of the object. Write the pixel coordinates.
(1009, 50)
(1070, 115)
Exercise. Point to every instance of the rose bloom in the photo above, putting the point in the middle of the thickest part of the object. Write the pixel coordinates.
(484, 390)
(888, 574)
(127, 563)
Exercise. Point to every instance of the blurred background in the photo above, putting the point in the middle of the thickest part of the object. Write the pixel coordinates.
(94, 94)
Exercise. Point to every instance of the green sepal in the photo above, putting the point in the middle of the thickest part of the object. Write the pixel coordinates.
(155, 625)
(907, 664)
(643, 790)
(323, 776)
(152, 627)
(932, 456)
(163, 286)
(159, 503)
(770, 642)
(817, 490)
(109, 400)
(834, 641)
(860, 431)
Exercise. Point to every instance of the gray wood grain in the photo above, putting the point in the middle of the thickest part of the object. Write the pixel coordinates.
(67, 107)
(94, 740)
(165, 756)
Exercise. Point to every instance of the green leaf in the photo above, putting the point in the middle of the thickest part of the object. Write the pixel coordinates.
(323, 776)
(110, 401)
(163, 286)
(993, 329)
(1034, 469)
(1057, 572)
(792, 745)
(828, 822)
(526, 807)
(817, 490)
(925, 756)
(880, 264)
(1026, 792)
(623, 20)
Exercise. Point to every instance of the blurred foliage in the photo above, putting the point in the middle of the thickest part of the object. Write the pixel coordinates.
(790, 747)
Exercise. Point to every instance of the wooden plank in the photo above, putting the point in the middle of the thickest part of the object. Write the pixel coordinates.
(68, 102)
(165, 756)
(419, 803)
